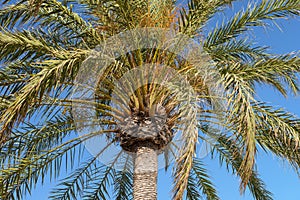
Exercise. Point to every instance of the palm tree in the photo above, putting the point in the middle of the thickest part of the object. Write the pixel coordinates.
(44, 48)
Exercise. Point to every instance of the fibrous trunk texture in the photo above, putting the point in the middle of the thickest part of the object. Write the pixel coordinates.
(141, 127)
(145, 173)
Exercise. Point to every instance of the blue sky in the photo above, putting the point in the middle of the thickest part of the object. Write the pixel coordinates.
(279, 178)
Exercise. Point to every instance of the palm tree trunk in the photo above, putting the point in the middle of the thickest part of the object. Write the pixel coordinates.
(145, 173)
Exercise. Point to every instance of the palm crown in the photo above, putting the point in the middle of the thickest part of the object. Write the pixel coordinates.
(44, 46)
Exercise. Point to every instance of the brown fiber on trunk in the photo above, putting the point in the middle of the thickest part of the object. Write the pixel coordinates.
(145, 173)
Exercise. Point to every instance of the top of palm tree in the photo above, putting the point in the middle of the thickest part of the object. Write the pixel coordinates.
(45, 46)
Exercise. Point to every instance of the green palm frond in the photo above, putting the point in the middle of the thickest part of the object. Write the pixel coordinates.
(27, 170)
(123, 181)
(53, 73)
(192, 190)
(24, 45)
(73, 186)
(13, 77)
(32, 139)
(279, 132)
(101, 179)
(228, 152)
(278, 71)
(53, 14)
(203, 180)
(255, 16)
(240, 96)
(238, 51)
(197, 14)
(240, 83)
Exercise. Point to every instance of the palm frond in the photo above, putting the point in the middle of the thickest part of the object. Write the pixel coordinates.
(241, 114)
(53, 14)
(123, 181)
(254, 16)
(192, 190)
(197, 13)
(189, 137)
(53, 73)
(277, 71)
(20, 176)
(73, 186)
(278, 132)
(229, 153)
(12, 79)
(24, 45)
(102, 178)
(238, 51)
(31, 139)
(203, 180)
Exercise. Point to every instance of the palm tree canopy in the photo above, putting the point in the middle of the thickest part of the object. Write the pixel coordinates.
(44, 46)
